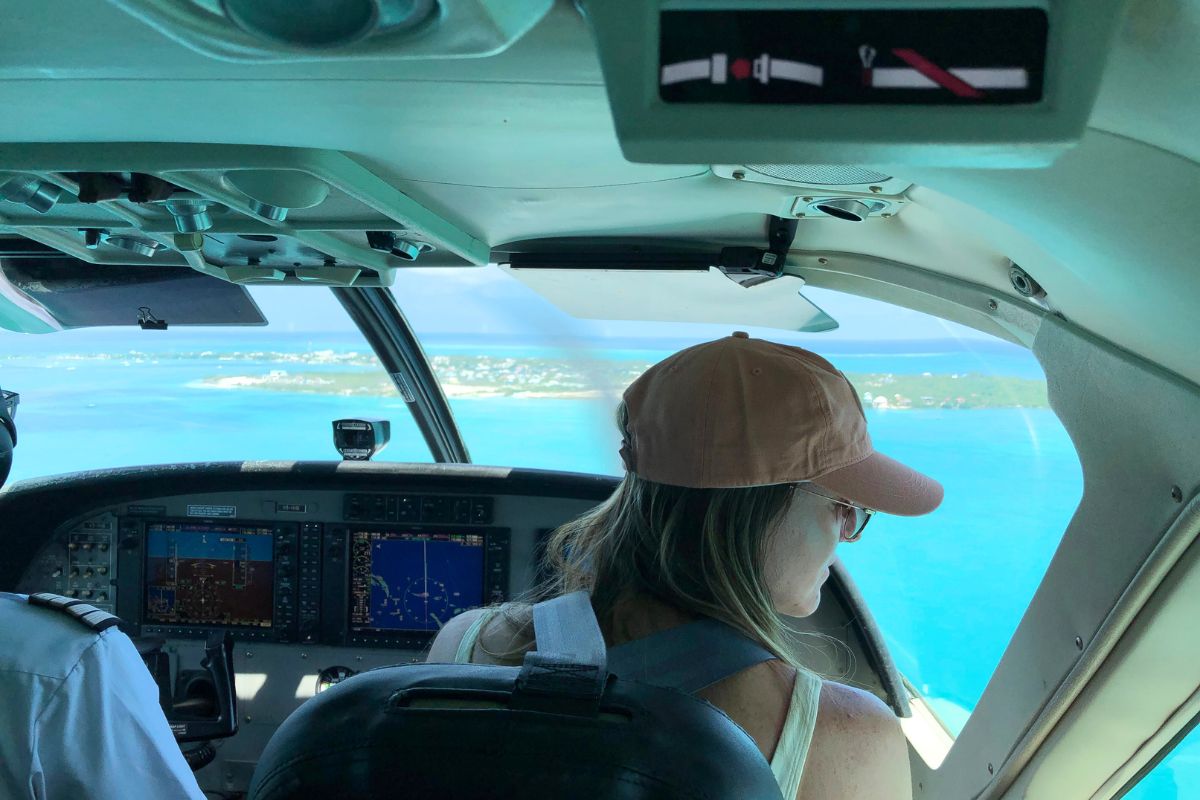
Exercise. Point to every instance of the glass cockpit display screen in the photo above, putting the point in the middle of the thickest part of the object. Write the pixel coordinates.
(413, 581)
(209, 574)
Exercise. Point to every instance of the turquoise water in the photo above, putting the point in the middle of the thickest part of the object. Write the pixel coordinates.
(947, 589)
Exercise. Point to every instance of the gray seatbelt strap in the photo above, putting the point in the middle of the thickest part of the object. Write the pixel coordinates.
(689, 657)
(569, 663)
(566, 626)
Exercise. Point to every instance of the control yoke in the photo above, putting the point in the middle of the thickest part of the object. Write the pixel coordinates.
(203, 704)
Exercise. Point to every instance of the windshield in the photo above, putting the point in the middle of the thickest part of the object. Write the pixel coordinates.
(530, 386)
(113, 397)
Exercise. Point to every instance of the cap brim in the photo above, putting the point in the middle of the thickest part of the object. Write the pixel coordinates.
(884, 484)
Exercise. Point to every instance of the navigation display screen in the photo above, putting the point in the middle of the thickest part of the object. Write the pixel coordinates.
(209, 574)
(878, 56)
(413, 581)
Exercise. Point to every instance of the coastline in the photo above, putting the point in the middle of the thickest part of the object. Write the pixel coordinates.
(509, 379)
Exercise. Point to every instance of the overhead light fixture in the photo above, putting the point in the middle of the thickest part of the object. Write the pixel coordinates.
(190, 211)
(326, 23)
(36, 193)
(391, 242)
(142, 247)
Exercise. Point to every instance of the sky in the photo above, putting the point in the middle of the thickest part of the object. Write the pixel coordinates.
(486, 301)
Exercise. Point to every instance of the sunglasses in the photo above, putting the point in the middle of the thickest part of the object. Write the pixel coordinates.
(854, 518)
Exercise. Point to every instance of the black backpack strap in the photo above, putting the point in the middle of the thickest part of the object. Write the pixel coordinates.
(570, 660)
(89, 615)
(688, 657)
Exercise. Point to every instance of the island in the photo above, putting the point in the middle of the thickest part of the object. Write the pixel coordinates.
(489, 376)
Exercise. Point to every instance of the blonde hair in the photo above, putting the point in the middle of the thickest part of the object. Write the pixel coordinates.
(701, 551)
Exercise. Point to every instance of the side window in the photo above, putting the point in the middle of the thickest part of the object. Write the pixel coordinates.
(1175, 777)
(948, 590)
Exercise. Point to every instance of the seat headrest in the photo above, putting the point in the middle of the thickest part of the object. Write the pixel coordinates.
(464, 732)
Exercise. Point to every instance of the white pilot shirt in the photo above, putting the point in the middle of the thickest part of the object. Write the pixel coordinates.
(79, 714)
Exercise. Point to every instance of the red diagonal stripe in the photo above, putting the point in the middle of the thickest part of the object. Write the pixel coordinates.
(935, 73)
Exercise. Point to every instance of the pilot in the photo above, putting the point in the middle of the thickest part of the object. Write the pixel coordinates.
(79, 711)
(747, 462)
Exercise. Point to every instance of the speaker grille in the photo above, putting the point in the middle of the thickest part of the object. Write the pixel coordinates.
(819, 174)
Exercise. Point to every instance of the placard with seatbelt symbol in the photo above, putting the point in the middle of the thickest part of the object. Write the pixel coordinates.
(865, 56)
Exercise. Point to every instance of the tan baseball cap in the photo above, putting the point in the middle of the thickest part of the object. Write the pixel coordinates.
(748, 412)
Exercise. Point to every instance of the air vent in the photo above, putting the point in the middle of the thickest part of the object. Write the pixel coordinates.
(316, 30)
(820, 174)
(327, 23)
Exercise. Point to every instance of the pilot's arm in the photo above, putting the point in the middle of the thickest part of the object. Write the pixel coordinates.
(83, 719)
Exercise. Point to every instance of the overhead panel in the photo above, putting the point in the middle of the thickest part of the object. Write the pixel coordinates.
(242, 214)
(1003, 83)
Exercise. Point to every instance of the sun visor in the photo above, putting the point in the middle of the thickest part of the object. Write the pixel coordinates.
(676, 296)
(957, 83)
(62, 293)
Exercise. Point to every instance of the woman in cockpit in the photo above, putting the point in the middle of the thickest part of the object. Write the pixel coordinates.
(747, 463)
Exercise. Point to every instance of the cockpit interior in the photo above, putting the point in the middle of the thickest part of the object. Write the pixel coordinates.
(314, 318)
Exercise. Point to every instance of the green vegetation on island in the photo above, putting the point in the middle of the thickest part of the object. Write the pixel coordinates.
(491, 376)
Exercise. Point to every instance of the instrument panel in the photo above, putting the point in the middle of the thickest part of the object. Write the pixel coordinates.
(357, 569)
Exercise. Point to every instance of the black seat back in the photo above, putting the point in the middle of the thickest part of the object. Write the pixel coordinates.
(560, 726)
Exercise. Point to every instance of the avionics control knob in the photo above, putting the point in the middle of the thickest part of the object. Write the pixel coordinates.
(87, 573)
(74, 573)
(73, 546)
(86, 545)
(56, 572)
(102, 596)
(103, 547)
(87, 592)
(72, 592)
(102, 570)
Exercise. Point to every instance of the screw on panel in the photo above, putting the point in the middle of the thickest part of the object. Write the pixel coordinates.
(807, 199)
(304, 655)
(991, 770)
(249, 718)
(876, 189)
(885, 216)
(993, 305)
(249, 654)
(739, 175)
(1079, 642)
(822, 260)
(1177, 494)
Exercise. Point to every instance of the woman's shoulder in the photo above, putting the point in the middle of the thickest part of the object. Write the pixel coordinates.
(501, 627)
(858, 749)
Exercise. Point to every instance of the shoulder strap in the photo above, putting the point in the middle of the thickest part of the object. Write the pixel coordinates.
(89, 615)
(688, 657)
(569, 663)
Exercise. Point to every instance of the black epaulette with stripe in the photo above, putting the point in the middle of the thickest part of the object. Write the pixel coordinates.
(89, 615)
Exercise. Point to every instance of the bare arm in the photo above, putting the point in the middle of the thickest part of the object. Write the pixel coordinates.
(445, 644)
(858, 749)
